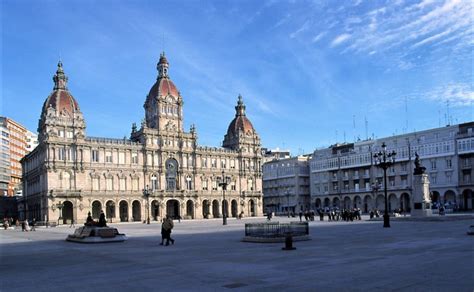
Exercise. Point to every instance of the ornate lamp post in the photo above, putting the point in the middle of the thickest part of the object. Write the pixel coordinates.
(375, 188)
(60, 207)
(223, 182)
(384, 160)
(146, 194)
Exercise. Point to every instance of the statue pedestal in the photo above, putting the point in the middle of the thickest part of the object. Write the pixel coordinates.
(421, 203)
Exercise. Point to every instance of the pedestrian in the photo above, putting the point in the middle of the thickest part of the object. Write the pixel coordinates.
(301, 215)
(166, 228)
(72, 223)
(33, 224)
(17, 224)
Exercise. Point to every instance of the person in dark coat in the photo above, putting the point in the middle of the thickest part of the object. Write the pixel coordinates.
(102, 221)
(166, 228)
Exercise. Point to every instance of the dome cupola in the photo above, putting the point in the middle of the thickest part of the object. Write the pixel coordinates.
(60, 111)
(61, 99)
(240, 123)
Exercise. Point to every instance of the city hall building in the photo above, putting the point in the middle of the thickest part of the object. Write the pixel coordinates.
(161, 170)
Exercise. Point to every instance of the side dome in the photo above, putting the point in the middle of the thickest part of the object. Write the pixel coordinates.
(61, 99)
(240, 123)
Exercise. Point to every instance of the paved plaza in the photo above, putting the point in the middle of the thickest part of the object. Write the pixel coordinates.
(342, 256)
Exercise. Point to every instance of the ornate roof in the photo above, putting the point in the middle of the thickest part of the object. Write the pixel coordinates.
(163, 85)
(61, 99)
(240, 122)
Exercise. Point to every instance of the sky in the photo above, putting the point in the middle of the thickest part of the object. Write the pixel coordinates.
(311, 73)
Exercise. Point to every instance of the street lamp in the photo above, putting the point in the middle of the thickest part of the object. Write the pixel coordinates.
(146, 193)
(223, 182)
(375, 188)
(384, 160)
(60, 207)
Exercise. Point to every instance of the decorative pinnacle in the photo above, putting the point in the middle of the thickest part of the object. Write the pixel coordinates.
(240, 108)
(60, 79)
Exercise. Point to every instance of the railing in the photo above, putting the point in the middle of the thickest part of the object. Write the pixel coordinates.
(275, 229)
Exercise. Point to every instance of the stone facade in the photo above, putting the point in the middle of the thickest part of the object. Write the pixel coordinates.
(161, 170)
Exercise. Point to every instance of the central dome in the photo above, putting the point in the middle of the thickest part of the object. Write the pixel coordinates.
(163, 85)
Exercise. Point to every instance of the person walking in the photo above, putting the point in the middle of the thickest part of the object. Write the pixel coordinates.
(72, 223)
(166, 228)
(33, 224)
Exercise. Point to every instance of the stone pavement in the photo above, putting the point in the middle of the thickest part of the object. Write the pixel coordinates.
(342, 256)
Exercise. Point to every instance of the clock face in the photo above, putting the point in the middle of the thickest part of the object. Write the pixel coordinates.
(169, 99)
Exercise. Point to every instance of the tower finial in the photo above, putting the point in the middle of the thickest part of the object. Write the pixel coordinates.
(60, 79)
(240, 108)
(162, 66)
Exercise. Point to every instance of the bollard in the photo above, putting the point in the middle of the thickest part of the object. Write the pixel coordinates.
(288, 242)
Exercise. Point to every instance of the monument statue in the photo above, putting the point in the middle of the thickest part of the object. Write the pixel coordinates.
(419, 169)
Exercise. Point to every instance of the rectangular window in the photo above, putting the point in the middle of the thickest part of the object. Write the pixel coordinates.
(61, 154)
(109, 184)
(121, 158)
(232, 163)
(135, 184)
(204, 185)
(134, 158)
(449, 163)
(122, 184)
(392, 182)
(404, 166)
(223, 164)
(356, 173)
(61, 133)
(204, 162)
(108, 157)
(356, 186)
(214, 185)
(232, 186)
(95, 156)
(95, 184)
(69, 134)
(213, 163)
(433, 164)
(334, 187)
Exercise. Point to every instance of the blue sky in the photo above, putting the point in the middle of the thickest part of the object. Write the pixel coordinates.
(310, 72)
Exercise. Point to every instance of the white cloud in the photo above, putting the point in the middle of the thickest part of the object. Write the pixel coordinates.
(458, 94)
(304, 27)
(318, 37)
(340, 39)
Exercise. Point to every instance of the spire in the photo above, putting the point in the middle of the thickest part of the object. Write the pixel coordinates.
(60, 79)
(162, 66)
(240, 108)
